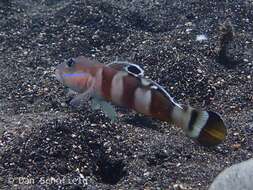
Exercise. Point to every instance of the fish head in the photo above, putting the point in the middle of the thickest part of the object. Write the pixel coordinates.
(76, 74)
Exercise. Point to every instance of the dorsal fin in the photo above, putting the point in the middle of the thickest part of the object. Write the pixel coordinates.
(153, 85)
(128, 67)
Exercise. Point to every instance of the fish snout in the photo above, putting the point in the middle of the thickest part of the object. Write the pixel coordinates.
(59, 72)
(58, 75)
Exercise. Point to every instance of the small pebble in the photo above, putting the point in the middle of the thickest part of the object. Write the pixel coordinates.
(236, 146)
(199, 71)
(235, 134)
(188, 24)
(179, 187)
(63, 104)
(146, 174)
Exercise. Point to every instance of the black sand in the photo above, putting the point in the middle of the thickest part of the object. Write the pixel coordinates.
(42, 137)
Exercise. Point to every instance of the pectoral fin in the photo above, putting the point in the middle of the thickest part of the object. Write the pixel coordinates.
(71, 92)
(95, 105)
(105, 106)
(79, 100)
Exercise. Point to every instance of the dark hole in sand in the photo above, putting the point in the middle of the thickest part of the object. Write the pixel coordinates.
(110, 171)
(157, 158)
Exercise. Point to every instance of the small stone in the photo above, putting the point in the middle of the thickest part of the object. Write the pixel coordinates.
(95, 37)
(108, 47)
(188, 24)
(146, 174)
(199, 71)
(117, 137)
(236, 146)
(179, 187)
(238, 176)
(188, 30)
(63, 104)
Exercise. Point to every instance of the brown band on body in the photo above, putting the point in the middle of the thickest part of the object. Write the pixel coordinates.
(161, 106)
(107, 76)
(130, 84)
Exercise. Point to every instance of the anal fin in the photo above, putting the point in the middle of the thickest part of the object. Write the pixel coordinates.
(79, 100)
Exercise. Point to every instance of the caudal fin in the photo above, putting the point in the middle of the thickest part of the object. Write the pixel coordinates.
(206, 127)
(213, 132)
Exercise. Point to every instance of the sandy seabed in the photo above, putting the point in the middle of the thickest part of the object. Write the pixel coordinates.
(46, 144)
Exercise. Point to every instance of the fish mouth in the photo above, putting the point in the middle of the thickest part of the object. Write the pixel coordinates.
(58, 72)
(58, 75)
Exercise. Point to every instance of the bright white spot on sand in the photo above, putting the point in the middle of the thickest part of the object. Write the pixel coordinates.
(201, 37)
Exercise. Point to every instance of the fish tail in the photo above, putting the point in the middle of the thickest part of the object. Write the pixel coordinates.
(205, 127)
(213, 131)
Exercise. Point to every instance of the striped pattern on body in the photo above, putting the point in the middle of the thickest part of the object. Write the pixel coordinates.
(149, 98)
(116, 84)
(135, 93)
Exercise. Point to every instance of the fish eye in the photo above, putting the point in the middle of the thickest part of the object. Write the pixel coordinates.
(70, 62)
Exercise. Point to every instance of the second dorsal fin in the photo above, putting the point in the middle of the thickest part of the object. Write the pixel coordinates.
(128, 67)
